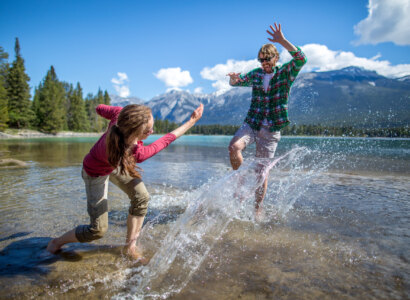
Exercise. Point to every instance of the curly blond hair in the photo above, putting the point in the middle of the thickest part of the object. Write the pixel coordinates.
(269, 50)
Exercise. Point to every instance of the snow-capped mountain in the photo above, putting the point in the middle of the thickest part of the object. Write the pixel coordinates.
(350, 96)
(176, 106)
(404, 78)
(121, 101)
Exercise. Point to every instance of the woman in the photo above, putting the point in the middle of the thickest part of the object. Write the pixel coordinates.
(114, 158)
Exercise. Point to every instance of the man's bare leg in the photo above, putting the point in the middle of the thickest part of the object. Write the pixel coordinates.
(235, 152)
(259, 196)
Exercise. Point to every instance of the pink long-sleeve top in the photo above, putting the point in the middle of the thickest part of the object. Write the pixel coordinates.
(96, 161)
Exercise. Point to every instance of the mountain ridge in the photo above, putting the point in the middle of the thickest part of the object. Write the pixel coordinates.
(350, 96)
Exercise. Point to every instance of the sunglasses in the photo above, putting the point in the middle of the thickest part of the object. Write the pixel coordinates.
(262, 60)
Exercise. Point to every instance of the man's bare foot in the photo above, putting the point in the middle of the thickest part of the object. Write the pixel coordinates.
(53, 246)
(239, 192)
(259, 214)
(135, 254)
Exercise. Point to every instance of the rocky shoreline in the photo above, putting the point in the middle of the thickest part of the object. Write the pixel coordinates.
(26, 133)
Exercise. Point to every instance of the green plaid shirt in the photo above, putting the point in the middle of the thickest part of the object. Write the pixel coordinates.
(272, 104)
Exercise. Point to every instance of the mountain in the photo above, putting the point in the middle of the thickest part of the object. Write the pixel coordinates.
(405, 78)
(122, 101)
(176, 106)
(351, 96)
(228, 108)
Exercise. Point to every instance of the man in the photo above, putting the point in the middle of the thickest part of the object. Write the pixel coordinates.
(268, 112)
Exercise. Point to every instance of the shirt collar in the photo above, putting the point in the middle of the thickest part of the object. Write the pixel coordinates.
(275, 68)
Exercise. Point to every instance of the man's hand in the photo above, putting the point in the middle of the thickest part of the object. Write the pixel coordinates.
(234, 78)
(277, 37)
(276, 34)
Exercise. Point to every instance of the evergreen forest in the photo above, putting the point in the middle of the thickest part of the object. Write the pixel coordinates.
(55, 106)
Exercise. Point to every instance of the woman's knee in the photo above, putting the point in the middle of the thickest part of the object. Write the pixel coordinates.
(139, 204)
(100, 230)
(92, 232)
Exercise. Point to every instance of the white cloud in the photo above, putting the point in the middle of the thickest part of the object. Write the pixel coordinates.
(218, 72)
(320, 58)
(121, 84)
(173, 89)
(122, 91)
(198, 90)
(174, 77)
(388, 21)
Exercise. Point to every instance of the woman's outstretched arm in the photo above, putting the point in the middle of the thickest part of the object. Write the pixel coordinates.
(196, 115)
(142, 153)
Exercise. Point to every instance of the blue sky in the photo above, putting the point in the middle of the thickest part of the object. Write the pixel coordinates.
(145, 48)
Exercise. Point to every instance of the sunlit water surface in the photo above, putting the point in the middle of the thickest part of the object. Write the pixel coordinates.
(335, 225)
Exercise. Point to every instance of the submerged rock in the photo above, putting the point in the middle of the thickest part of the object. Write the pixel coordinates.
(12, 163)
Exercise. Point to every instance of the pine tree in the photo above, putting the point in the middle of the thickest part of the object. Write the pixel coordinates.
(107, 99)
(76, 115)
(18, 92)
(4, 112)
(90, 110)
(50, 103)
(97, 123)
(102, 123)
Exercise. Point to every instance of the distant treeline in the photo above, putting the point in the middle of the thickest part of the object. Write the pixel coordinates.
(349, 131)
(165, 126)
(161, 126)
(56, 105)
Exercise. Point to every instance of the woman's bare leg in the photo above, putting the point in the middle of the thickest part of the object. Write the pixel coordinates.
(55, 244)
(134, 225)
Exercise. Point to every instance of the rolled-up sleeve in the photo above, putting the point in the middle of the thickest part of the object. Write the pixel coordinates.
(295, 65)
(247, 79)
(108, 112)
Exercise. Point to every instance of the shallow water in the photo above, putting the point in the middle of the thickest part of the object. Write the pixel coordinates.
(335, 225)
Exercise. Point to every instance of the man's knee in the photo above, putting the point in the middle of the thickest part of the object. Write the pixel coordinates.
(235, 148)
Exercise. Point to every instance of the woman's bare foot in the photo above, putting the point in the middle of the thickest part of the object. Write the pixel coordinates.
(135, 254)
(53, 246)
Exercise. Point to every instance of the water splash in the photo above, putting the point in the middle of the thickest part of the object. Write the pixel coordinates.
(215, 205)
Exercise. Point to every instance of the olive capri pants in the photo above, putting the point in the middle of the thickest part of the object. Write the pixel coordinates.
(97, 190)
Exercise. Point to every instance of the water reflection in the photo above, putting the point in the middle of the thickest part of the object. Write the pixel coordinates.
(48, 153)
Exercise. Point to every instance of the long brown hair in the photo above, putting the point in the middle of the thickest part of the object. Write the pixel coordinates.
(132, 121)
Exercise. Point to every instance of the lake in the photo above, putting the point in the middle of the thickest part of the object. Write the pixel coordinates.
(335, 226)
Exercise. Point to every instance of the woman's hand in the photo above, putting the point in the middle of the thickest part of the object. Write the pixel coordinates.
(195, 116)
(197, 113)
